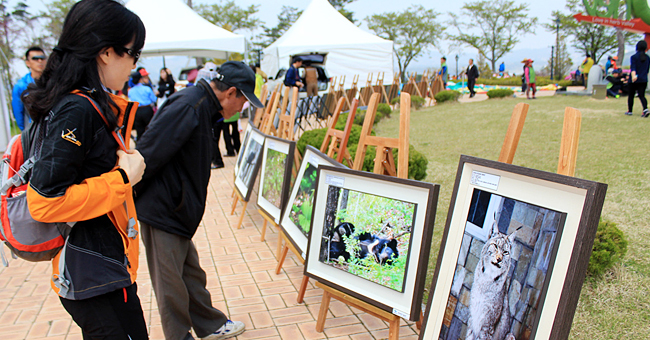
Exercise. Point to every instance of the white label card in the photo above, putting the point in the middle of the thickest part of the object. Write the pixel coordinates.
(315, 161)
(335, 181)
(400, 313)
(485, 180)
(272, 145)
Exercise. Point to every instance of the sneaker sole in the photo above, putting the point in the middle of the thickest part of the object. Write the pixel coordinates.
(224, 336)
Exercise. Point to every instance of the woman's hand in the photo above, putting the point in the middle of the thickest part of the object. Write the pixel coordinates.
(132, 163)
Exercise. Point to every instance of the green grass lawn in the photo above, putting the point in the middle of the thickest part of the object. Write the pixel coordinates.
(613, 149)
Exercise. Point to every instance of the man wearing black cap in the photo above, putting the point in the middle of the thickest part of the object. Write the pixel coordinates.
(177, 147)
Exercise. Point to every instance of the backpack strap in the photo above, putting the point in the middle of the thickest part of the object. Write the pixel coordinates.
(115, 132)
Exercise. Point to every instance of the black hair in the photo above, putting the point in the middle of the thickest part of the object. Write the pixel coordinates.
(89, 27)
(641, 47)
(223, 87)
(32, 49)
(445, 58)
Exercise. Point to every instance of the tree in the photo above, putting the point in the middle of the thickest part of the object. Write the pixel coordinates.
(340, 6)
(500, 22)
(597, 40)
(286, 18)
(55, 16)
(412, 31)
(19, 30)
(230, 16)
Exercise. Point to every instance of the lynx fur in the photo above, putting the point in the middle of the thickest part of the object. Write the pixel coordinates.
(489, 317)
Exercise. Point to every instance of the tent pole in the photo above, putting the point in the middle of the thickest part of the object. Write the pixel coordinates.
(164, 66)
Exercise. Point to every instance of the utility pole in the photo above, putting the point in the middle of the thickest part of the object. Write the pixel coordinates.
(552, 62)
(557, 46)
(456, 66)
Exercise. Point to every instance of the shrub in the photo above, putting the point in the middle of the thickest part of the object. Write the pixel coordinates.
(417, 161)
(516, 81)
(610, 246)
(384, 109)
(417, 102)
(394, 101)
(500, 93)
(447, 95)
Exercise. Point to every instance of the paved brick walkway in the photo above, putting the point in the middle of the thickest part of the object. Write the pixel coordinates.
(241, 278)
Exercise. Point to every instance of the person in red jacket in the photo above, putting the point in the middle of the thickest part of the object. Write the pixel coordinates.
(84, 177)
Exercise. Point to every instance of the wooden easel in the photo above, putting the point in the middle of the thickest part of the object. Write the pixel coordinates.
(351, 93)
(331, 100)
(382, 89)
(384, 161)
(260, 111)
(438, 86)
(267, 127)
(336, 141)
(270, 220)
(394, 87)
(569, 145)
(366, 92)
(382, 144)
(513, 133)
(237, 198)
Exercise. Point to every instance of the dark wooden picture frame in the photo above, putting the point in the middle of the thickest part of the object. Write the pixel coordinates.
(311, 161)
(562, 216)
(242, 148)
(405, 302)
(275, 178)
(252, 157)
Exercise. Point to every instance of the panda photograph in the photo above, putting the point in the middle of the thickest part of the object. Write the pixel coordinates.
(367, 236)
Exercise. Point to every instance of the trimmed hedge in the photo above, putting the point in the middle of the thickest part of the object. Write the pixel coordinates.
(516, 81)
(500, 93)
(447, 95)
(384, 109)
(610, 246)
(394, 100)
(417, 162)
(417, 102)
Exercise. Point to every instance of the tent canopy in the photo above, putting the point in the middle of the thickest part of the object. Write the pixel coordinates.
(175, 29)
(321, 28)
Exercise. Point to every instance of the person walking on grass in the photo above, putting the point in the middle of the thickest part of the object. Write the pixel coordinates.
(639, 65)
(529, 74)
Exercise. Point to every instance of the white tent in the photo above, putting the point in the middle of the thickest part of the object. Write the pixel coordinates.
(175, 29)
(321, 28)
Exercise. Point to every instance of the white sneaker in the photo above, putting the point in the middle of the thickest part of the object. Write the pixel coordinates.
(228, 330)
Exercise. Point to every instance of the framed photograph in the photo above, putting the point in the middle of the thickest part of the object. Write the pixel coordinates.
(370, 237)
(277, 159)
(296, 219)
(250, 164)
(242, 148)
(514, 253)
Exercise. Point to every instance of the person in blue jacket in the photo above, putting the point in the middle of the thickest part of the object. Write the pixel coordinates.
(292, 78)
(639, 65)
(144, 95)
(35, 60)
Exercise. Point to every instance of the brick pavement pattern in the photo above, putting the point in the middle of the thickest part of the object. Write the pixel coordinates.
(241, 278)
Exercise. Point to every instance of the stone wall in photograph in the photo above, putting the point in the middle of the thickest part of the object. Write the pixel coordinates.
(536, 233)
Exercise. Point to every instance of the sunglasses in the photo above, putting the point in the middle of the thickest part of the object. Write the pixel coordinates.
(133, 53)
(38, 57)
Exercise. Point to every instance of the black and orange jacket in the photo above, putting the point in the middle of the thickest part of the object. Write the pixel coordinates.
(76, 179)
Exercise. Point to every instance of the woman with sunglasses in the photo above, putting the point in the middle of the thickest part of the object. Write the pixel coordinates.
(85, 171)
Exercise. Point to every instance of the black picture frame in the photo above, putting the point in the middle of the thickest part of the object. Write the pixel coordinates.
(275, 178)
(251, 162)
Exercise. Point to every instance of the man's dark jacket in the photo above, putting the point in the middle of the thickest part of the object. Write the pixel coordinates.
(472, 72)
(177, 148)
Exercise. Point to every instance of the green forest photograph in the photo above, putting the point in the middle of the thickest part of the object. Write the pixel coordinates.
(368, 236)
(302, 206)
(274, 166)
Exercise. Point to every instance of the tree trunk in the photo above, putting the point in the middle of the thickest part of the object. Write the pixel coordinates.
(620, 37)
(330, 207)
(189, 3)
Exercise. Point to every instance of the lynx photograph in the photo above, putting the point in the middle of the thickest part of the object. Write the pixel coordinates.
(502, 268)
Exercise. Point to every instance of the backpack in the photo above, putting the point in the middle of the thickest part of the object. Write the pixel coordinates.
(27, 238)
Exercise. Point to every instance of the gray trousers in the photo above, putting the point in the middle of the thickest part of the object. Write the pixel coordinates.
(179, 284)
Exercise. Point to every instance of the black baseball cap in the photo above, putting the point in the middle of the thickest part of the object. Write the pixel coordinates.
(239, 75)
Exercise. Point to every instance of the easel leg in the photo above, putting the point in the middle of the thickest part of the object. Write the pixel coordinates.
(322, 314)
(303, 288)
(234, 204)
(393, 329)
(241, 217)
(283, 255)
(418, 323)
(279, 250)
(263, 231)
